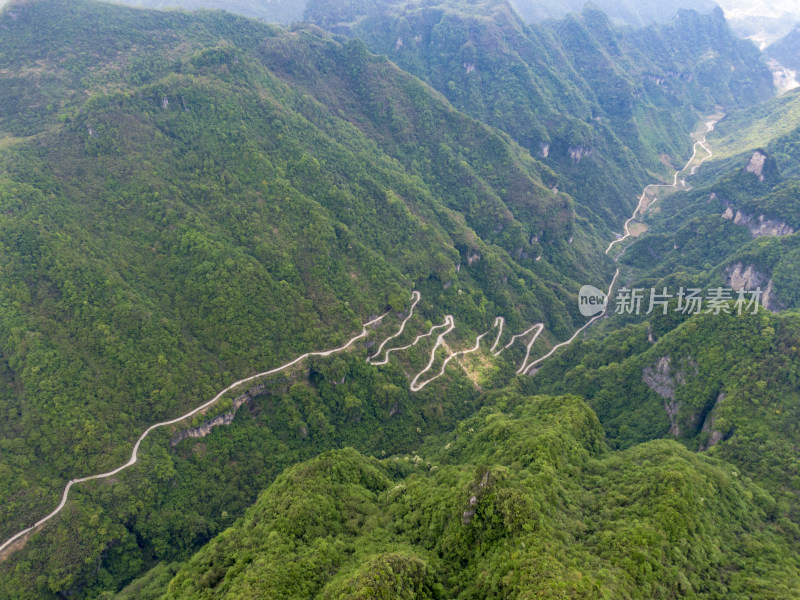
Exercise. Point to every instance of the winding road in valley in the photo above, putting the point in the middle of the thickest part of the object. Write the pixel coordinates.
(699, 143)
(499, 322)
(416, 385)
(415, 298)
(577, 333)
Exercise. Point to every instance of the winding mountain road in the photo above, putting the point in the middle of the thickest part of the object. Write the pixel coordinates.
(415, 385)
(701, 143)
(415, 298)
(499, 322)
(134, 455)
(577, 333)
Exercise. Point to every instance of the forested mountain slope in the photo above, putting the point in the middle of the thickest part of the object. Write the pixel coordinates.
(723, 384)
(271, 11)
(720, 382)
(743, 131)
(178, 214)
(190, 199)
(609, 109)
(523, 500)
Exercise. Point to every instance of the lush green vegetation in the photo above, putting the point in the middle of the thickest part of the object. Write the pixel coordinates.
(521, 500)
(608, 109)
(271, 11)
(771, 126)
(202, 217)
(729, 382)
(756, 126)
(187, 199)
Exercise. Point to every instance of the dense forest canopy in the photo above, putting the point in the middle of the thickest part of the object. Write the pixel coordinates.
(192, 198)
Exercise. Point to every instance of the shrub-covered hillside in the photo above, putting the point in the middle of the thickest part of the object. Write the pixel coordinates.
(188, 199)
(522, 500)
(608, 108)
(176, 213)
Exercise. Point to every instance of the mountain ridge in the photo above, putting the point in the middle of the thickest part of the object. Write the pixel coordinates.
(187, 199)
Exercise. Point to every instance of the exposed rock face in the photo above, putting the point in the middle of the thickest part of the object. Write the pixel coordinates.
(784, 78)
(756, 164)
(660, 379)
(577, 153)
(204, 429)
(470, 512)
(224, 419)
(466, 517)
(758, 226)
(708, 426)
(544, 150)
(748, 278)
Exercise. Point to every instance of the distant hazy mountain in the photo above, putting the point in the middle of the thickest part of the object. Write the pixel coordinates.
(763, 21)
(787, 49)
(277, 11)
(630, 12)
